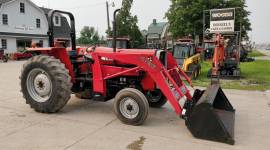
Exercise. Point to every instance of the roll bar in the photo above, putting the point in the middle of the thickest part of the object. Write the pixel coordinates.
(51, 27)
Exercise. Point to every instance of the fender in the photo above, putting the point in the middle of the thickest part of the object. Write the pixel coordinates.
(59, 53)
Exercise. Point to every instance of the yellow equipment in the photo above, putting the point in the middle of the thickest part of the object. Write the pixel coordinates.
(184, 52)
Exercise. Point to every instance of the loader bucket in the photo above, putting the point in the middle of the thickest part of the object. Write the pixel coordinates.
(212, 117)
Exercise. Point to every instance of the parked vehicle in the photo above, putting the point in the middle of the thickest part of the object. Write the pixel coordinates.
(22, 55)
(135, 78)
(184, 51)
(226, 60)
(4, 57)
(244, 55)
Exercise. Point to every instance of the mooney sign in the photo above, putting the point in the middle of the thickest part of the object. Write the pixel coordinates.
(222, 20)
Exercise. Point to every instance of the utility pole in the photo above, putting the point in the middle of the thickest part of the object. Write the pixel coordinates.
(108, 15)
(204, 23)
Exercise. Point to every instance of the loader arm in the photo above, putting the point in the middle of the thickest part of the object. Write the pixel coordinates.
(167, 79)
(212, 105)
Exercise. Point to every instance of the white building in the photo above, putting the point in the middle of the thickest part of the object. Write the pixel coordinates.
(22, 22)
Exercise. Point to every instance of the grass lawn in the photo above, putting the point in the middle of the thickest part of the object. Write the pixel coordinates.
(256, 53)
(254, 76)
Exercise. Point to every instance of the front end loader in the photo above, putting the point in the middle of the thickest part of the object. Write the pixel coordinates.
(135, 79)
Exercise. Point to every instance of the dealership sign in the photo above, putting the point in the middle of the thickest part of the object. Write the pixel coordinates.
(222, 20)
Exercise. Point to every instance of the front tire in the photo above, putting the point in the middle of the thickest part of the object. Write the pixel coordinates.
(131, 106)
(45, 84)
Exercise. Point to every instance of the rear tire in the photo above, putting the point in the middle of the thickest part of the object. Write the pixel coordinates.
(45, 84)
(131, 106)
(156, 99)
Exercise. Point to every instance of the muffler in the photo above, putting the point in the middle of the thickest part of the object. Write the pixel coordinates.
(211, 116)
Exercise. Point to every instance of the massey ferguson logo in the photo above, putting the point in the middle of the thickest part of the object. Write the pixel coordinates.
(148, 61)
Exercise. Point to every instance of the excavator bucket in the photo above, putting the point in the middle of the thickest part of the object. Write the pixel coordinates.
(212, 116)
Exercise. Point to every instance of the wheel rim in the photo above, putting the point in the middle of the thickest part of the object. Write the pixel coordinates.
(129, 108)
(39, 85)
(154, 96)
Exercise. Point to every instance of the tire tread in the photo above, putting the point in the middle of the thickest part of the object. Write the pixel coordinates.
(60, 76)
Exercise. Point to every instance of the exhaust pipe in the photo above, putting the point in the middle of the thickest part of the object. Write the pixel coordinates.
(115, 29)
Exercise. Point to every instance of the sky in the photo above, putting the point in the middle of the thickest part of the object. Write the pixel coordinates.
(93, 13)
(260, 20)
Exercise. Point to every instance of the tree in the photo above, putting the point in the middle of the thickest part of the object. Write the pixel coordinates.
(102, 40)
(127, 25)
(186, 17)
(88, 35)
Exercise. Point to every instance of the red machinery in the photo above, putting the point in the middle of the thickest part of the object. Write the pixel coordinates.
(3, 57)
(219, 55)
(22, 55)
(225, 59)
(136, 79)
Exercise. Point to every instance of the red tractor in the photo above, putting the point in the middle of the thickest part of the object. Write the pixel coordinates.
(22, 55)
(135, 79)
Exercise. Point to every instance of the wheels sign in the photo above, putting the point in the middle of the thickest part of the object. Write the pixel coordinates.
(222, 20)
